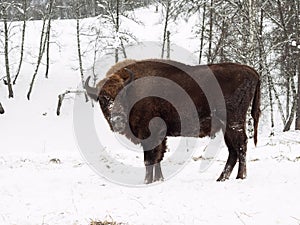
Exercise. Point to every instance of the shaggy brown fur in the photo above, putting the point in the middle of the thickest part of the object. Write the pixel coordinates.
(119, 66)
(240, 86)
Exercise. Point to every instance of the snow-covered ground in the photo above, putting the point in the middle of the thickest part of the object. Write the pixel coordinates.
(36, 190)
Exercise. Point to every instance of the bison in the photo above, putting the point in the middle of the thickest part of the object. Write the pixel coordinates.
(239, 86)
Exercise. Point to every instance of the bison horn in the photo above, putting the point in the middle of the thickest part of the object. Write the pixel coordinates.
(131, 77)
(91, 91)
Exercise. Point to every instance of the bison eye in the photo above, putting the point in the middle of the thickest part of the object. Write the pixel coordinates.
(106, 101)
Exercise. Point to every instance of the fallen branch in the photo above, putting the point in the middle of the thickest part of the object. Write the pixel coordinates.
(296, 219)
(61, 97)
(239, 217)
(1, 109)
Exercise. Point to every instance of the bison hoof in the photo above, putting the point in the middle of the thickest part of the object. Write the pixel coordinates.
(241, 177)
(158, 176)
(158, 179)
(222, 178)
(148, 181)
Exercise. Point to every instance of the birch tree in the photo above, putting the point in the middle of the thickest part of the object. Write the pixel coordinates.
(4, 14)
(296, 51)
(166, 23)
(44, 38)
(23, 11)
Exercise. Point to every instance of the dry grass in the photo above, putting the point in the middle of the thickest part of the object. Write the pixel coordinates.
(106, 222)
(103, 223)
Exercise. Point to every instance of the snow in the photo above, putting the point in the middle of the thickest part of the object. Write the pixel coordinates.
(35, 190)
(294, 43)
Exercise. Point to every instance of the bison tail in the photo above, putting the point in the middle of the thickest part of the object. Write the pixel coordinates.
(255, 112)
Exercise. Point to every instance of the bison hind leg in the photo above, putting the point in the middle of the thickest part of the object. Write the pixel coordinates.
(236, 141)
(242, 172)
(232, 157)
(231, 161)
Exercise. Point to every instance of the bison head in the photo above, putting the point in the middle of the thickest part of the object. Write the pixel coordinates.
(106, 92)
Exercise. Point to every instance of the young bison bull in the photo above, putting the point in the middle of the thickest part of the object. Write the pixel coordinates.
(239, 85)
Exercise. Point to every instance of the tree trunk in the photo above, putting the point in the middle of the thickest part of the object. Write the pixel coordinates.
(297, 9)
(165, 28)
(219, 44)
(43, 41)
(261, 46)
(79, 47)
(23, 40)
(47, 39)
(123, 49)
(94, 8)
(48, 33)
(117, 30)
(285, 62)
(291, 117)
(6, 54)
(202, 32)
(252, 13)
(297, 124)
(209, 56)
(271, 102)
(168, 45)
(294, 107)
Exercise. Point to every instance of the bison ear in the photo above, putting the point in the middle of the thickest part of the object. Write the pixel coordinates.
(131, 77)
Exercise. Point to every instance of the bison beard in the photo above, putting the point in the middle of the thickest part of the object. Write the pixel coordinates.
(240, 86)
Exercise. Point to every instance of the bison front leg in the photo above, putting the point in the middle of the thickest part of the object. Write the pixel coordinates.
(158, 176)
(152, 159)
(153, 173)
(149, 174)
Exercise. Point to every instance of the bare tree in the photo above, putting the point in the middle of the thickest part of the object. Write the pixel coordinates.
(167, 18)
(45, 33)
(210, 37)
(117, 26)
(284, 15)
(24, 12)
(79, 45)
(47, 41)
(202, 32)
(115, 9)
(4, 9)
(296, 48)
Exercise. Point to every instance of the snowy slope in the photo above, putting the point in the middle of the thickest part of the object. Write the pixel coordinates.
(35, 190)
